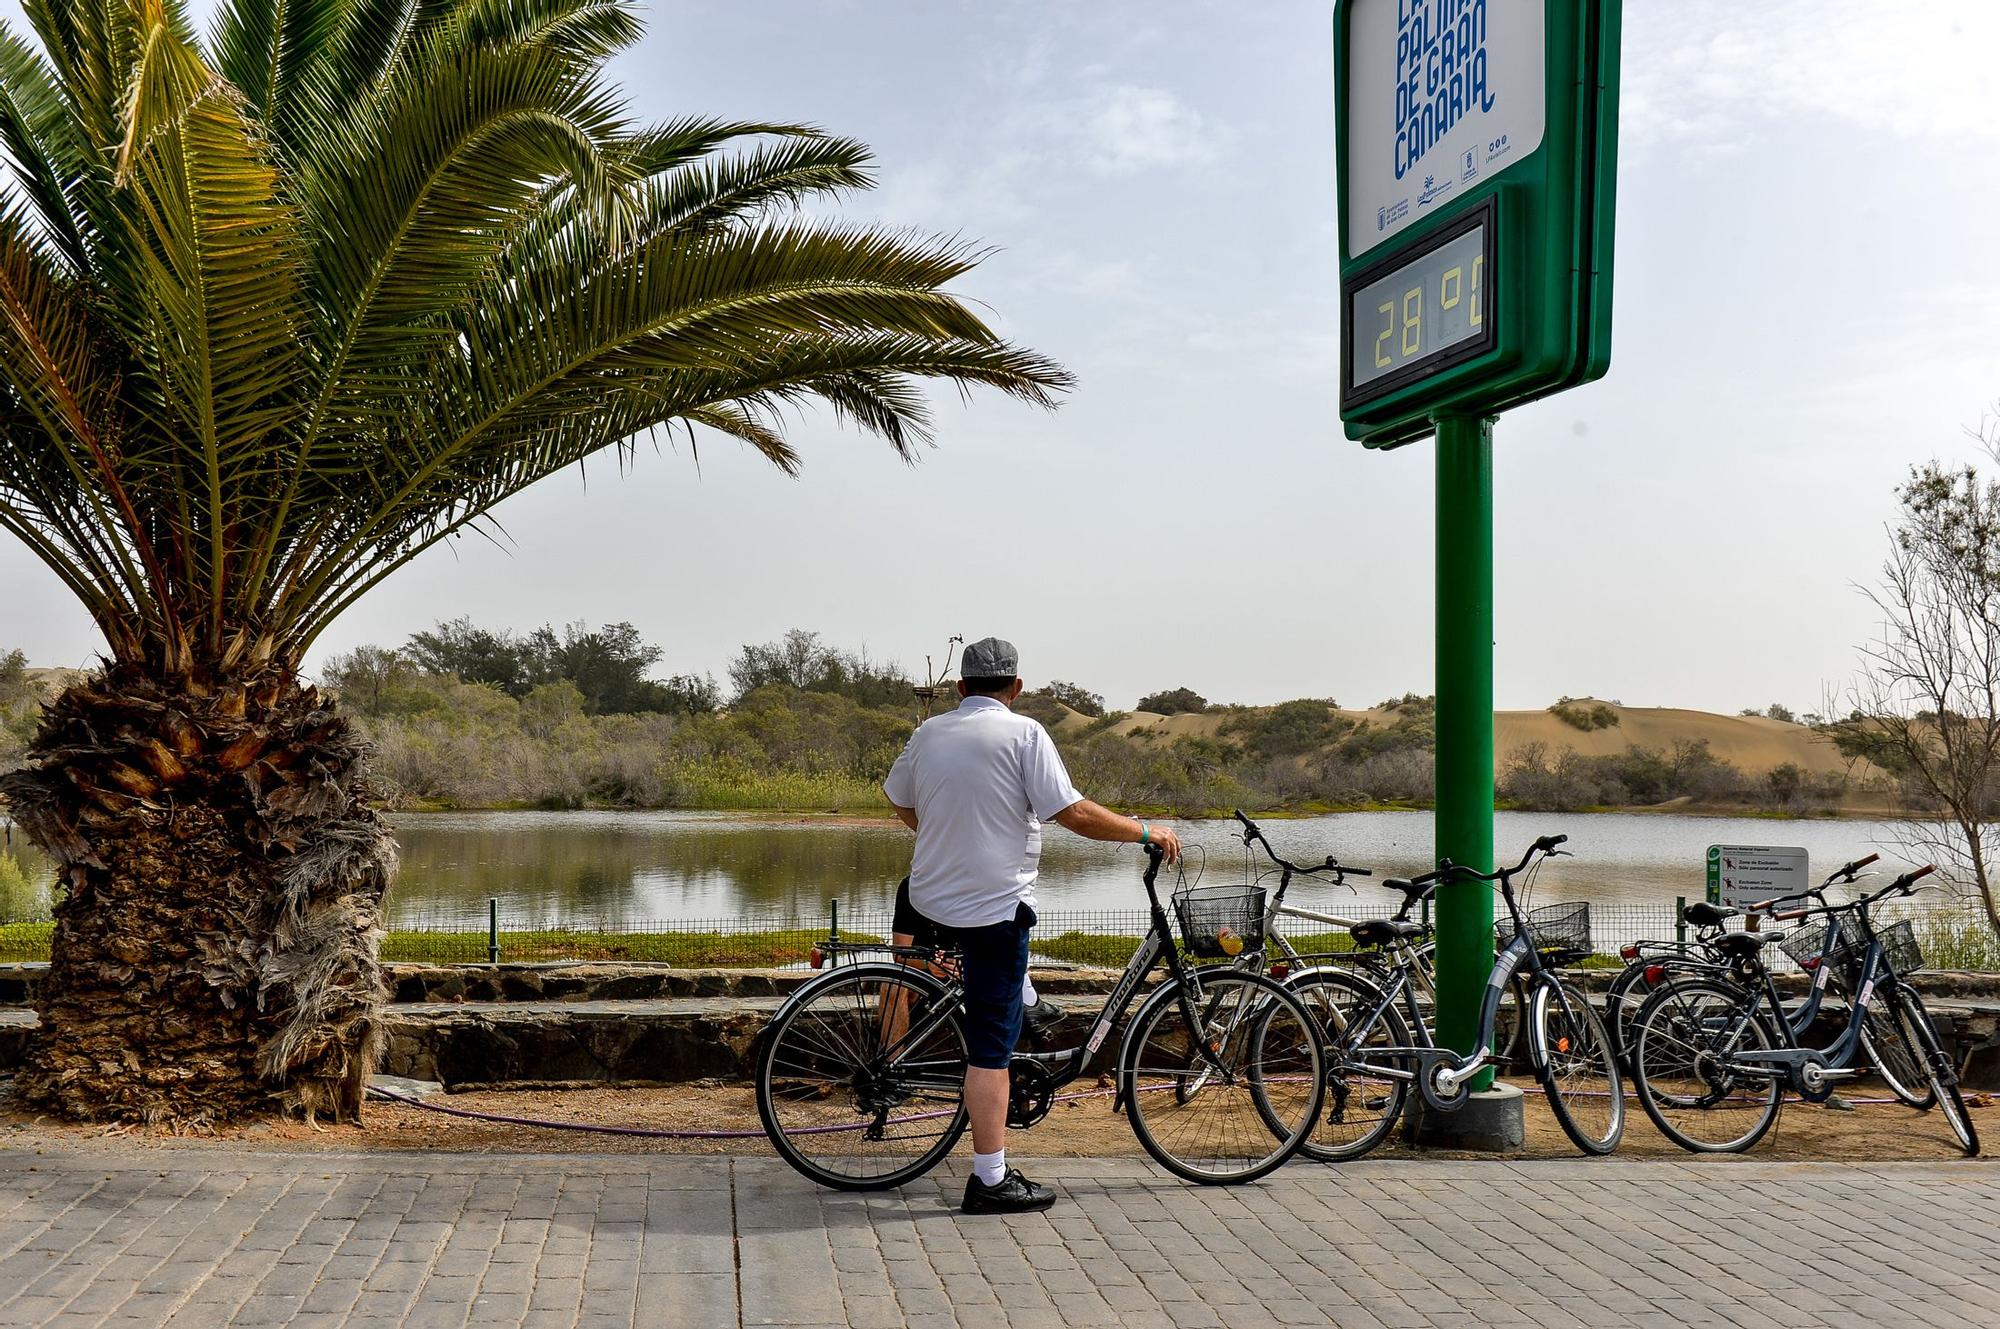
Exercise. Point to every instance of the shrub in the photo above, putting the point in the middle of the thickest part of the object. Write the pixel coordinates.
(1584, 714)
(1176, 701)
(1078, 699)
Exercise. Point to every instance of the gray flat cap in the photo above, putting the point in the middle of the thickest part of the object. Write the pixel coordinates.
(990, 658)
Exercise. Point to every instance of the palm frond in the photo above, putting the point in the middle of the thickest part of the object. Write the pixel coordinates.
(276, 322)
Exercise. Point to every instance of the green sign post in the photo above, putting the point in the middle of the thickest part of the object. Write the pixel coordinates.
(1477, 149)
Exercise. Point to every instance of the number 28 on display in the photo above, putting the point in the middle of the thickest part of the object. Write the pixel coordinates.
(1457, 314)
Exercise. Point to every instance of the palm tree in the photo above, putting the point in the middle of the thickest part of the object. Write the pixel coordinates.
(282, 308)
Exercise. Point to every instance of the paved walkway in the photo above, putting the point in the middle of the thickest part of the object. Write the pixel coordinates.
(210, 1237)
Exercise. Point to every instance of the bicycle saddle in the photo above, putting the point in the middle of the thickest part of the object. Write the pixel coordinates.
(1743, 945)
(1382, 931)
(1705, 915)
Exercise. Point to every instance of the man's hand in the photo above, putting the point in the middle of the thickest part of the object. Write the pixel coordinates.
(1094, 821)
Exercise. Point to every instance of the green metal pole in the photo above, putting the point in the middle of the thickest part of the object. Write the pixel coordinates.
(1464, 818)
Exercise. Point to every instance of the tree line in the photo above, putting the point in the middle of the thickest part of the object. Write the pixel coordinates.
(462, 715)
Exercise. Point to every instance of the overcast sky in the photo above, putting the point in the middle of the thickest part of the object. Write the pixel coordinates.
(1808, 302)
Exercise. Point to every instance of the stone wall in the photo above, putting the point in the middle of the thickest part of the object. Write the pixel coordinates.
(466, 1025)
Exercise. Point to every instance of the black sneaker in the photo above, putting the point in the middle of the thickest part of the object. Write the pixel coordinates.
(1037, 1020)
(1014, 1194)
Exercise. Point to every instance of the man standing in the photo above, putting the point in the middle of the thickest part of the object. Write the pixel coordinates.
(975, 784)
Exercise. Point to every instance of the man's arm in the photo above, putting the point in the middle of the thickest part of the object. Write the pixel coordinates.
(908, 816)
(1094, 821)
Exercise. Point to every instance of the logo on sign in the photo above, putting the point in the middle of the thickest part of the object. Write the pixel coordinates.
(1432, 190)
(1441, 72)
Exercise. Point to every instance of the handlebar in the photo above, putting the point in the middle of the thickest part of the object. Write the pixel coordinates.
(1846, 872)
(1446, 869)
(1903, 885)
(1333, 865)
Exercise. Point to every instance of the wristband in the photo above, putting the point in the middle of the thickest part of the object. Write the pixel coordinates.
(1145, 832)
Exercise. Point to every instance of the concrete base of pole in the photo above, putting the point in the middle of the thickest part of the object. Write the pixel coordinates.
(1490, 1122)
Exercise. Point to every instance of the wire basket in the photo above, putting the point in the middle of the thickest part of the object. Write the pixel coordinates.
(1899, 947)
(1560, 932)
(1804, 944)
(1219, 921)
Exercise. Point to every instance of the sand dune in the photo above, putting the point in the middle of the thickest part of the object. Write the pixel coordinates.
(1753, 744)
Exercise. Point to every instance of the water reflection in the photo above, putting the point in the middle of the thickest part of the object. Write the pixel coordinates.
(587, 869)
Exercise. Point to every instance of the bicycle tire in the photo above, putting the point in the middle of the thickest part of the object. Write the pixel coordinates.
(1944, 1079)
(813, 1072)
(1332, 996)
(1621, 1006)
(1154, 1057)
(1893, 1053)
(1680, 1051)
(1574, 1060)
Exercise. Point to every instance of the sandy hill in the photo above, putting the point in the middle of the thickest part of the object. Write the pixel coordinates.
(1753, 744)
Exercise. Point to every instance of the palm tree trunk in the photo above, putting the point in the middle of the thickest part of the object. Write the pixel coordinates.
(222, 880)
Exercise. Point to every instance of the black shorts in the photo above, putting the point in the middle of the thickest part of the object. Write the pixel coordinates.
(993, 962)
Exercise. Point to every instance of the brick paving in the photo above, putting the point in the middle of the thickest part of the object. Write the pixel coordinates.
(211, 1237)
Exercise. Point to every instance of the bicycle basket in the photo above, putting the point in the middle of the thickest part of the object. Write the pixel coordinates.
(1802, 944)
(1561, 932)
(1209, 915)
(1899, 946)
(1899, 943)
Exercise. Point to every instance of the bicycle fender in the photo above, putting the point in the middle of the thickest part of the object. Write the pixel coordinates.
(1354, 973)
(810, 988)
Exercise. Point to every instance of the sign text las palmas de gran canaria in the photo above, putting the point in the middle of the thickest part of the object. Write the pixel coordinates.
(1441, 71)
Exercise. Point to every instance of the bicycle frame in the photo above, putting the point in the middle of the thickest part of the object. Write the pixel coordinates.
(1442, 1074)
(1065, 1065)
(1796, 1020)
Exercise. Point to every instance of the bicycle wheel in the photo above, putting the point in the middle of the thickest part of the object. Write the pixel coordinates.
(1912, 1016)
(1579, 1072)
(847, 1095)
(1893, 1051)
(1257, 1056)
(1362, 1103)
(1686, 1041)
(1622, 1000)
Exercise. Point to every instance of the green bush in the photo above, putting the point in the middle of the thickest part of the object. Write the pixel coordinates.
(1585, 715)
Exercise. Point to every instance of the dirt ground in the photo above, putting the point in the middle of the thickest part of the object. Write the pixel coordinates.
(1084, 1127)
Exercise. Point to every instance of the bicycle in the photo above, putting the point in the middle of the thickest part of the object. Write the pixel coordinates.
(1650, 963)
(1713, 1056)
(861, 1081)
(1373, 1059)
(1375, 948)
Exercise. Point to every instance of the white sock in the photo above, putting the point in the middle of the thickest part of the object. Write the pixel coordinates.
(989, 1168)
(1028, 996)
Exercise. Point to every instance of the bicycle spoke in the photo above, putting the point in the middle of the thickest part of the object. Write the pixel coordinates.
(1249, 1078)
(852, 1098)
(1693, 1062)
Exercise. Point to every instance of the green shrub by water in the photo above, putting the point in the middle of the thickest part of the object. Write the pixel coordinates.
(1957, 942)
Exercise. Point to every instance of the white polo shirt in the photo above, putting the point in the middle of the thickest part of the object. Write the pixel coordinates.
(981, 779)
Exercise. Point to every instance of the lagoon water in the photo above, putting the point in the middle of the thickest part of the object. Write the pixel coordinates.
(612, 869)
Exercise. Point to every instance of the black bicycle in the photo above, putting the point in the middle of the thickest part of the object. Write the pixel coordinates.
(1713, 1056)
(1220, 1073)
(1376, 1051)
(1650, 964)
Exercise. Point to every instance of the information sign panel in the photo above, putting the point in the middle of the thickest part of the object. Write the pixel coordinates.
(1740, 875)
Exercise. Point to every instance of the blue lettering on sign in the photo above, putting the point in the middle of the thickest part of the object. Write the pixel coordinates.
(1440, 73)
